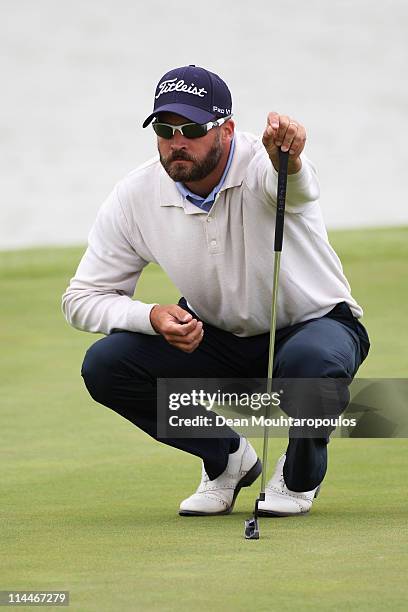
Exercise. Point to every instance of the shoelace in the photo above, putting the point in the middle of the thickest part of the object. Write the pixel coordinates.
(281, 483)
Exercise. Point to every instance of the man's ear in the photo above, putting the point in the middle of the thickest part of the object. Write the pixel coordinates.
(228, 129)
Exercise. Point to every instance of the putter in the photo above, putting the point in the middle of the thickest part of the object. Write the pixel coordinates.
(251, 525)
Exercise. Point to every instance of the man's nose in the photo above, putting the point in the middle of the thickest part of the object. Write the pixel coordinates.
(178, 140)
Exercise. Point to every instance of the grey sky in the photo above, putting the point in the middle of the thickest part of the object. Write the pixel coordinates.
(78, 80)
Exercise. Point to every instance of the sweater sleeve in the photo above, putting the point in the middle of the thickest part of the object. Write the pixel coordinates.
(99, 296)
(302, 188)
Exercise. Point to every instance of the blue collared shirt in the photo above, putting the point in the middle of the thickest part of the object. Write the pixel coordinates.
(206, 203)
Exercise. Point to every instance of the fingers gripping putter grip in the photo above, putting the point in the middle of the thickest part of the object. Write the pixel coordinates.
(251, 525)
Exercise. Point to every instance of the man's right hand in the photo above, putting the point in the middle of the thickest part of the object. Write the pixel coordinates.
(177, 326)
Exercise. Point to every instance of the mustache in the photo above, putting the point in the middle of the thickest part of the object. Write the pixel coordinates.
(180, 155)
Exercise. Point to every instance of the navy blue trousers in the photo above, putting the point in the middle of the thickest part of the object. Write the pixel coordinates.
(120, 372)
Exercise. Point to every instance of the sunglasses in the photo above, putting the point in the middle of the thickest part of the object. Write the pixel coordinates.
(189, 130)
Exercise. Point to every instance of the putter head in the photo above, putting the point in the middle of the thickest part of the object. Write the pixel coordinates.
(252, 529)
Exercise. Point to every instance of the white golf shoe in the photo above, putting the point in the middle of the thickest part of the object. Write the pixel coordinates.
(218, 496)
(281, 501)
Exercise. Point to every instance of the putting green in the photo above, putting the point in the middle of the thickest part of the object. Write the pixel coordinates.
(89, 503)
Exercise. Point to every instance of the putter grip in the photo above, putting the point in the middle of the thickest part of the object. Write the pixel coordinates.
(281, 197)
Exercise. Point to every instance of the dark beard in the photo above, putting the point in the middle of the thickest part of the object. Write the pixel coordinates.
(197, 170)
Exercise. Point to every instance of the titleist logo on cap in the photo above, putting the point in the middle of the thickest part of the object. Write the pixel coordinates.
(180, 85)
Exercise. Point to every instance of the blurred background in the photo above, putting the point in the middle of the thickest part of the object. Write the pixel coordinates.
(78, 79)
(89, 503)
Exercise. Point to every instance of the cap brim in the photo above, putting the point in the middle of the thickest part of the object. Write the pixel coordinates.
(192, 113)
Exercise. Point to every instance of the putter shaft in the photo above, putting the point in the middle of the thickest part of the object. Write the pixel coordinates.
(251, 525)
(276, 268)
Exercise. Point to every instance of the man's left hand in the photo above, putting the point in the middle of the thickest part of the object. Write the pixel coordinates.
(288, 134)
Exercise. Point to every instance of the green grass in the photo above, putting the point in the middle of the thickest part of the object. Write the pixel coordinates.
(89, 503)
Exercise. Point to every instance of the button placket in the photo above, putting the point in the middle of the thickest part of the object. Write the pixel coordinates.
(213, 241)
